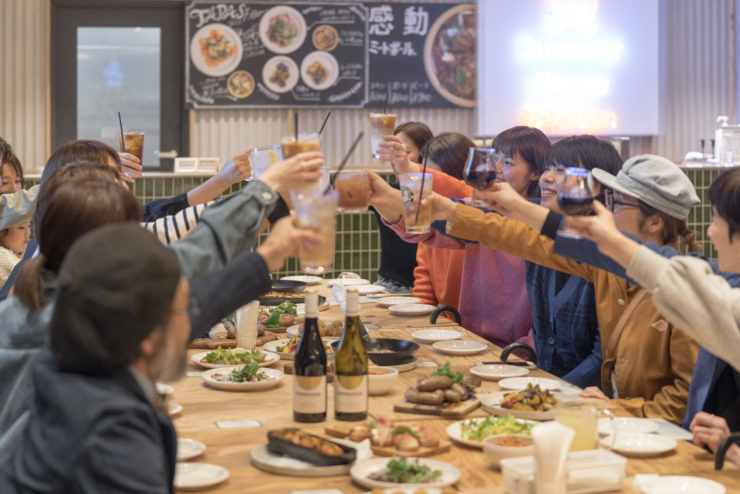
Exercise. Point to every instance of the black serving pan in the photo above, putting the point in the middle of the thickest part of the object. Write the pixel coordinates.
(274, 301)
(280, 446)
(289, 286)
(403, 350)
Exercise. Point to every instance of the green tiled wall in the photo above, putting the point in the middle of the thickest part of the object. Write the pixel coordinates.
(358, 240)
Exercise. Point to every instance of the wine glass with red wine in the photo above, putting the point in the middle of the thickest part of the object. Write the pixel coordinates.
(480, 172)
(576, 197)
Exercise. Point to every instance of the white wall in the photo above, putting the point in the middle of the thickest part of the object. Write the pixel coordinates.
(700, 65)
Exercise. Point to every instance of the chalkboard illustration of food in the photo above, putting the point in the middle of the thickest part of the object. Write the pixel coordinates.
(449, 55)
(240, 84)
(325, 38)
(216, 50)
(282, 29)
(280, 74)
(319, 70)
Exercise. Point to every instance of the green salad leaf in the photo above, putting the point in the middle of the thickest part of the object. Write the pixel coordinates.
(402, 429)
(477, 430)
(252, 369)
(226, 356)
(401, 471)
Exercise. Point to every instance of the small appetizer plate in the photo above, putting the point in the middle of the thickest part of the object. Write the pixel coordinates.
(361, 470)
(627, 424)
(411, 310)
(491, 403)
(173, 408)
(311, 280)
(272, 346)
(270, 358)
(164, 389)
(519, 383)
(462, 347)
(636, 444)
(268, 461)
(496, 372)
(388, 301)
(349, 282)
(189, 448)
(670, 484)
(207, 377)
(454, 432)
(434, 335)
(369, 289)
(198, 475)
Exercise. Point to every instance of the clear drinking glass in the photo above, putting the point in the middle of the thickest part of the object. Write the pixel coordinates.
(354, 190)
(381, 125)
(316, 210)
(583, 418)
(480, 172)
(134, 144)
(263, 158)
(576, 197)
(418, 217)
(307, 141)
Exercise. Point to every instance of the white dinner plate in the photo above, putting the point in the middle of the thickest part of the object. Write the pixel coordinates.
(270, 358)
(300, 310)
(272, 347)
(369, 289)
(349, 282)
(408, 490)
(433, 335)
(298, 20)
(491, 403)
(198, 475)
(293, 76)
(311, 280)
(328, 61)
(229, 386)
(361, 470)
(637, 444)
(454, 432)
(412, 310)
(189, 448)
(496, 372)
(225, 67)
(264, 459)
(627, 424)
(519, 383)
(673, 484)
(461, 347)
(173, 408)
(388, 301)
(164, 389)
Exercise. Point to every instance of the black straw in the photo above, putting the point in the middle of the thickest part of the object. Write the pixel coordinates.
(123, 141)
(385, 110)
(295, 125)
(324, 124)
(346, 159)
(423, 175)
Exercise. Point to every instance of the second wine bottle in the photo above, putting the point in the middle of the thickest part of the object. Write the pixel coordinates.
(350, 378)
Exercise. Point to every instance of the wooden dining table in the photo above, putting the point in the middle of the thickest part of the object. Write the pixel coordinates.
(230, 448)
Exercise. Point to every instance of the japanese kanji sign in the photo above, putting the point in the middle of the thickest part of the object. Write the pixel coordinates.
(259, 54)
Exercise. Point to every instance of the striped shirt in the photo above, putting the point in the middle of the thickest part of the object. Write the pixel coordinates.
(175, 227)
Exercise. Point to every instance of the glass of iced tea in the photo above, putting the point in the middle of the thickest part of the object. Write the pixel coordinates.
(316, 210)
(418, 217)
(582, 417)
(307, 142)
(260, 159)
(381, 125)
(134, 144)
(354, 190)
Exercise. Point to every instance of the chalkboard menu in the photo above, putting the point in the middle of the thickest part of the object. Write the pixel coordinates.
(341, 55)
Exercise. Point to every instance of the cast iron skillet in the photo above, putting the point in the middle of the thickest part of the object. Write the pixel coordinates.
(403, 350)
(289, 286)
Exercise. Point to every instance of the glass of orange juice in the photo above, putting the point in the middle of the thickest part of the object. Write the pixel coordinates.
(582, 417)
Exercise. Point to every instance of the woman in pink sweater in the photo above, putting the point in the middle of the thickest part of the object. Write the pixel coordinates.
(493, 297)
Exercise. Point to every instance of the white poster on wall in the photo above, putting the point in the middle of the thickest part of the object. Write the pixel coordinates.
(569, 67)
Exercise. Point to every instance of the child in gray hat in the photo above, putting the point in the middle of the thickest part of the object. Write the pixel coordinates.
(15, 216)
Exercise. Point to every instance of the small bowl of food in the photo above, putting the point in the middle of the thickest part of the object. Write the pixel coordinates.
(381, 380)
(501, 446)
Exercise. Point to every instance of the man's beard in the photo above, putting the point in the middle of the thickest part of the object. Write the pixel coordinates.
(170, 363)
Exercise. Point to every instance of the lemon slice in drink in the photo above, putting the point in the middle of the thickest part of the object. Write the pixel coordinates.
(273, 156)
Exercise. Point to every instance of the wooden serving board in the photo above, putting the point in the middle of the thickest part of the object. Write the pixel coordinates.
(450, 411)
(342, 431)
(209, 344)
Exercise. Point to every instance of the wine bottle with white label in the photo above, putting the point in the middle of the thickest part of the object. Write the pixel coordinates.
(309, 376)
(350, 378)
